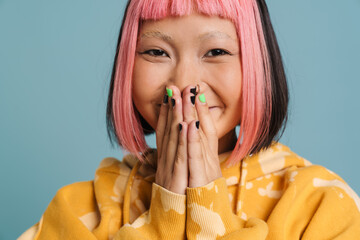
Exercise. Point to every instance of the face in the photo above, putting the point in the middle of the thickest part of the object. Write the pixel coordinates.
(184, 51)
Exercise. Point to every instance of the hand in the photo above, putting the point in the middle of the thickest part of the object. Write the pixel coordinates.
(172, 167)
(202, 141)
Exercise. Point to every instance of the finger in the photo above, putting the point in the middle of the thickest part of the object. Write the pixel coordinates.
(162, 152)
(171, 92)
(161, 123)
(172, 144)
(197, 176)
(206, 121)
(180, 171)
(189, 111)
(165, 139)
(189, 89)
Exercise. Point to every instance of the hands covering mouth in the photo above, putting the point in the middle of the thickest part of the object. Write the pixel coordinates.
(187, 141)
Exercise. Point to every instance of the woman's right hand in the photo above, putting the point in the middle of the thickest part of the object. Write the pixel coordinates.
(172, 165)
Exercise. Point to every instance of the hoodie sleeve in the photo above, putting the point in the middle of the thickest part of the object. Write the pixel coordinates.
(165, 218)
(209, 215)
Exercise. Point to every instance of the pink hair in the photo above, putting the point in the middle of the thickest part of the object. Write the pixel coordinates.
(256, 79)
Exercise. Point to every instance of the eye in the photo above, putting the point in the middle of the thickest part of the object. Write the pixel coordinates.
(156, 53)
(216, 52)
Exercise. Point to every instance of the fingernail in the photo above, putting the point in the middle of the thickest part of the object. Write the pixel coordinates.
(169, 92)
(197, 89)
(202, 98)
(166, 99)
(192, 99)
(197, 124)
(180, 127)
(173, 102)
(193, 90)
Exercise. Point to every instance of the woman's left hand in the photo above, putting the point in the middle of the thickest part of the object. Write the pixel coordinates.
(202, 141)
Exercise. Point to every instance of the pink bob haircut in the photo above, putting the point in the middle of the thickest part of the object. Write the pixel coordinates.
(264, 88)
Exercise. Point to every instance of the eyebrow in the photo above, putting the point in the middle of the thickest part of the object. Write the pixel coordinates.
(202, 37)
(215, 34)
(156, 34)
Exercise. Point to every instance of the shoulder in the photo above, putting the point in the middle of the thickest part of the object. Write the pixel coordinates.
(110, 180)
(85, 201)
(113, 165)
(308, 178)
(319, 181)
(296, 198)
(315, 202)
(275, 160)
(108, 168)
(301, 177)
(78, 190)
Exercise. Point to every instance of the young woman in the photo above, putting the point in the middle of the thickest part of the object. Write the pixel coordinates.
(191, 71)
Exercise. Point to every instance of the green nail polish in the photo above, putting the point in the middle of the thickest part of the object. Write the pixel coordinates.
(202, 98)
(169, 92)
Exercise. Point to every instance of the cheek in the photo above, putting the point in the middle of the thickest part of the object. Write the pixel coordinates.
(147, 89)
(144, 75)
(226, 81)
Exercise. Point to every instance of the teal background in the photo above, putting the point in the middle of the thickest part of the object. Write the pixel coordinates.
(55, 66)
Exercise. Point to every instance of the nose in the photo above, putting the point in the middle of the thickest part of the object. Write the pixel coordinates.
(185, 73)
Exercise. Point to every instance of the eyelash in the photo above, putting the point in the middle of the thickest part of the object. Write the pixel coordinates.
(161, 52)
(155, 50)
(222, 51)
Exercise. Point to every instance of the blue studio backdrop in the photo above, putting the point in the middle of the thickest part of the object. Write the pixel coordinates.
(55, 65)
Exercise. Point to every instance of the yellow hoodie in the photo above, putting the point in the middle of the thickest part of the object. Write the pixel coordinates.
(274, 194)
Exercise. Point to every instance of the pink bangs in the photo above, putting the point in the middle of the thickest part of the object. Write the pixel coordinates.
(156, 10)
(256, 79)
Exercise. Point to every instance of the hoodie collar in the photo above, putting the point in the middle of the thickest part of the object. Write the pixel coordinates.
(273, 160)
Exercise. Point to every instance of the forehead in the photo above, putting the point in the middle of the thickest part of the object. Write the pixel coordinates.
(199, 26)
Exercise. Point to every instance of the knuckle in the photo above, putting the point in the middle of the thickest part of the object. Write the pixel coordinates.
(181, 143)
(176, 117)
(195, 156)
(194, 139)
(193, 159)
(179, 158)
(172, 142)
(175, 126)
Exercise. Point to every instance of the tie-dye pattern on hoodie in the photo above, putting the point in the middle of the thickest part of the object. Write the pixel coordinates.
(274, 194)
